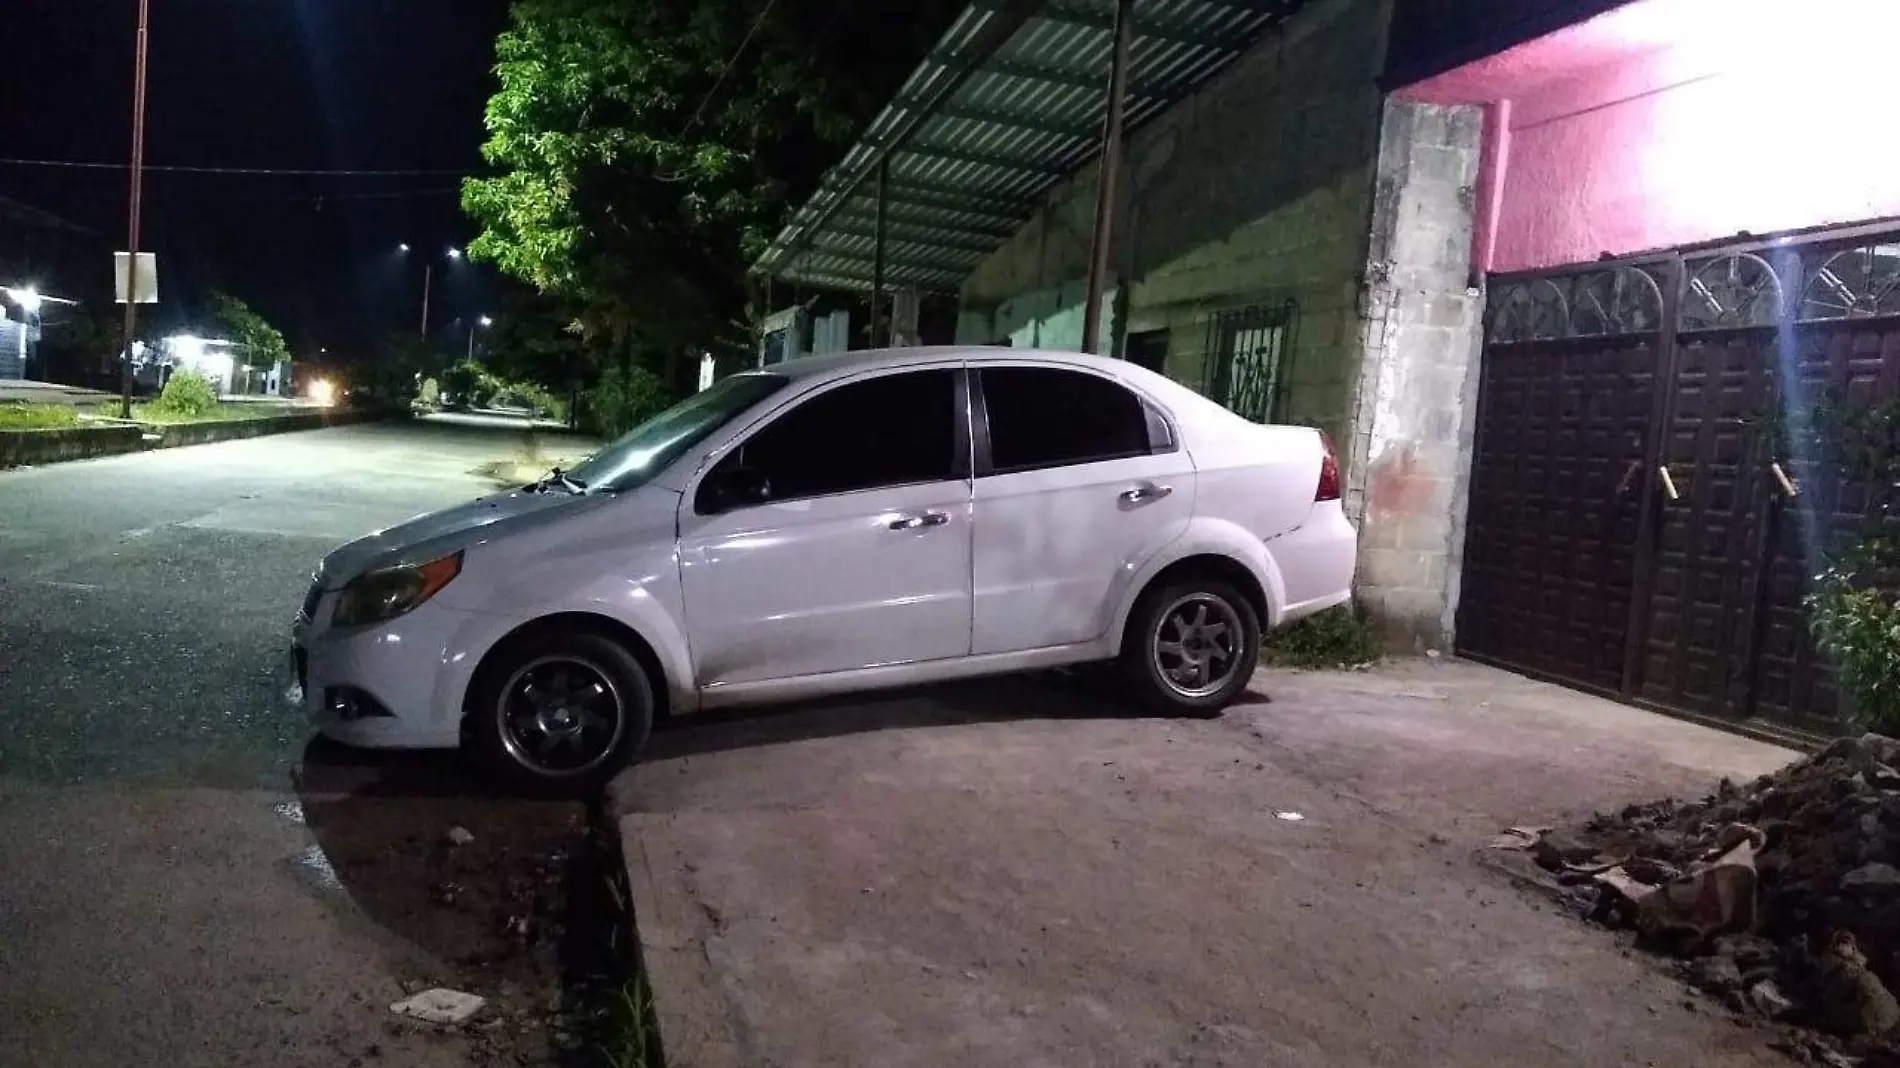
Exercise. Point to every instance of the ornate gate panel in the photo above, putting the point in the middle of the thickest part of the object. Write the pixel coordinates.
(1683, 383)
(1567, 397)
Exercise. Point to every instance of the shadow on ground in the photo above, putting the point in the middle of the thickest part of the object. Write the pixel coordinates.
(484, 883)
(1052, 695)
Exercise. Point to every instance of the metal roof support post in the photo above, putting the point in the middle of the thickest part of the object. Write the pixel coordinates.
(1103, 238)
(880, 334)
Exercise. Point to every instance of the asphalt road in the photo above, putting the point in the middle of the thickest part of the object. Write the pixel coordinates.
(168, 892)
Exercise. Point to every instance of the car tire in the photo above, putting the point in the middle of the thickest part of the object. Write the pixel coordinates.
(1191, 647)
(560, 710)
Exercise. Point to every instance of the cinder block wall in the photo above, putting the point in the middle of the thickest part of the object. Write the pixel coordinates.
(1417, 393)
(1256, 190)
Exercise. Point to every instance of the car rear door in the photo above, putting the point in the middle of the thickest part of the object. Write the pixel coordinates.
(1079, 478)
(858, 557)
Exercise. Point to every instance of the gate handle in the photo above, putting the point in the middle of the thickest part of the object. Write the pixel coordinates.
(1787, 484)
(1668, 484)
(1628, 477)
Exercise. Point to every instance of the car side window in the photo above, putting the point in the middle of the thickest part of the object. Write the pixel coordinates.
(892, 430)
(1047, 417)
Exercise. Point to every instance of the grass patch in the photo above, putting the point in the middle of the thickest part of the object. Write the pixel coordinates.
(223, 413)
(1336, 638)
(37, 416)
(629, 1027)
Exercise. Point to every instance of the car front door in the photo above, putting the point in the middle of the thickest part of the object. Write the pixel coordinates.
(1079, 480)
(835, 536)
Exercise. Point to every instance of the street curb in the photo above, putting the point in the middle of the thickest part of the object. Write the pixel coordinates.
(177, 435)
(23, 448)
(36, 448)
(692, 1015)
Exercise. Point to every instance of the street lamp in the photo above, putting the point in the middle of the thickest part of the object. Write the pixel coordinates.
(483, 321)
(428, 280)
(28, 299)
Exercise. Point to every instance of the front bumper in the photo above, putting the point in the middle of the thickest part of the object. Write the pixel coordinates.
(397, 685)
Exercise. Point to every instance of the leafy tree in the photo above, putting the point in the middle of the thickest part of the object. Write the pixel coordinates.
(80, 342)
(468, 385)
(393, 371)
(647, 151)
(540, 339)
(260, 342)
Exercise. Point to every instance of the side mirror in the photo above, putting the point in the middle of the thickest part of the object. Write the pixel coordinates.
(733, 488)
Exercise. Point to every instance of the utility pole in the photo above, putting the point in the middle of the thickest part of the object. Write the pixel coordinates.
(428, 280)
(475, 324)
(132, 242)
(1101, 241)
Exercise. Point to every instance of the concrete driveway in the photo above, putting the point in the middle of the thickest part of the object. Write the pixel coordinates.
(1012, 873)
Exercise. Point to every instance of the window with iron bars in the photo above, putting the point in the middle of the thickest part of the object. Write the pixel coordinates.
(1245, 358)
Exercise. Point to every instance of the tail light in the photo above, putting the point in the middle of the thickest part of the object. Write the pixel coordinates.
(1328, 472)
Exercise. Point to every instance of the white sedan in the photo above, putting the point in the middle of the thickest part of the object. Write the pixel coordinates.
(829, 525)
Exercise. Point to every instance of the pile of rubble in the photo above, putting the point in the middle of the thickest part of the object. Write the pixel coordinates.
(1781, 897)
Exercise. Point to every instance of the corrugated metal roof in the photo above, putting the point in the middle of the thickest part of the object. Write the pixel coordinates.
(982, 129)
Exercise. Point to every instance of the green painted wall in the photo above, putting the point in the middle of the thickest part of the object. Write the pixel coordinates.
(1256, 190)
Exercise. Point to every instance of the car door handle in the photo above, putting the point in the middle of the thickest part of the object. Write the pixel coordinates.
(1149, 492)
(918, 522)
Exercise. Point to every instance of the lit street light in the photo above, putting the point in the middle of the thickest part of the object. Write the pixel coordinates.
(428, 280)
(483, 321)
(28, 299)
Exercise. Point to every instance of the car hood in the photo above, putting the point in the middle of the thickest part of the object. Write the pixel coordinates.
(438, 533)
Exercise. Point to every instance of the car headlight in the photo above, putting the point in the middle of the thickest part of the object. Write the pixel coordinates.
(384, 595)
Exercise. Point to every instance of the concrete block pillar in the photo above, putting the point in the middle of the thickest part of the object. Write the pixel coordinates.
(1421, 312)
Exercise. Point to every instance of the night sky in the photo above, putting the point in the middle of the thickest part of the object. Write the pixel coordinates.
(306, 84)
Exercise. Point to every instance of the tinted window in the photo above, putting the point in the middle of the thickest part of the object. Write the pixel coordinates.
(1047, 418)
(887, 431)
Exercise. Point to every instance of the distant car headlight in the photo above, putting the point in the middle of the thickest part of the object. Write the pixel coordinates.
(384, 595)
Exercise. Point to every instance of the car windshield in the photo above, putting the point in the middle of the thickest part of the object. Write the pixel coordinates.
(639, 454)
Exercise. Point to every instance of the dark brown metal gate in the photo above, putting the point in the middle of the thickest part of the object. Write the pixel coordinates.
(1642, 523)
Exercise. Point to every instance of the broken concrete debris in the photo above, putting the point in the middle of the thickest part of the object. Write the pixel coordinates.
(1781, 896)
(440, 1006)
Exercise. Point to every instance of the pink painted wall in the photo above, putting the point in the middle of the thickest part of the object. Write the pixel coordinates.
(1630, 132)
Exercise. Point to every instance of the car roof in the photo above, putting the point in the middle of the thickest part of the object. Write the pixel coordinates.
(835, 364)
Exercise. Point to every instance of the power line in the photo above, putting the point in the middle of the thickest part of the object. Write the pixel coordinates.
(726, 70)
(280, 171)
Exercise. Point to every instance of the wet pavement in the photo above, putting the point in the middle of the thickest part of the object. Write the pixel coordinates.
(177, 861)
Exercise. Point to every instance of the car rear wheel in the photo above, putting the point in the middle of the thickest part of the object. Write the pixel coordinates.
(561, 710)
(1191, 646)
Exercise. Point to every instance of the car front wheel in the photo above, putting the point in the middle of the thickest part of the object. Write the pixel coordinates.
(561, 709)
(1191, 646)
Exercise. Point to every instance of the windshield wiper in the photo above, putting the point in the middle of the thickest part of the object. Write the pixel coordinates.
(557, 477)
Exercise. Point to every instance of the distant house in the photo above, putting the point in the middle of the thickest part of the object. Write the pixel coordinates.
(45, 254)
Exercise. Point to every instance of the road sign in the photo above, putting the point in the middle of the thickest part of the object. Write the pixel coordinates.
(147, 277)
